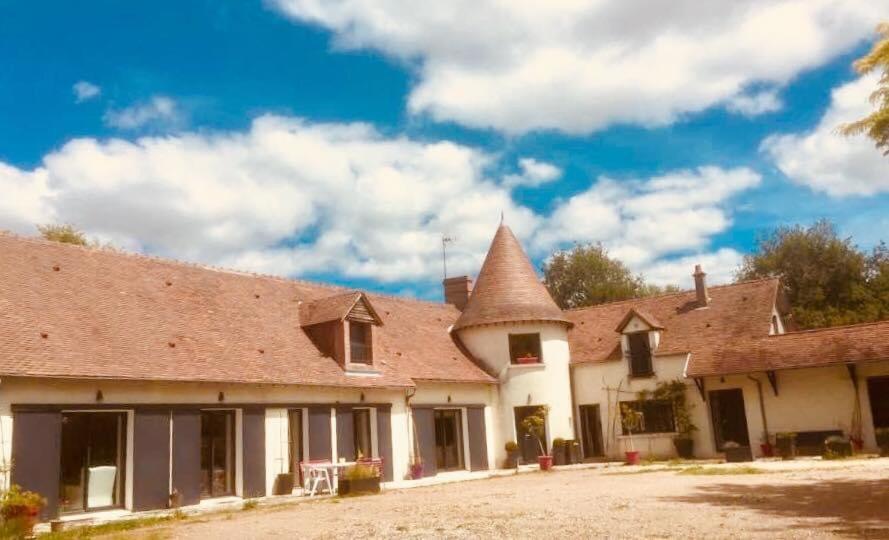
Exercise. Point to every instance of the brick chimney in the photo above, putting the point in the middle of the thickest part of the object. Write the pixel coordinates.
(456, 291)
(701, 286)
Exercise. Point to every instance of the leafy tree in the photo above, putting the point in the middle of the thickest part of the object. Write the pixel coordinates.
(66, 234)
(827, 279)
(876, 124)
(585, 275)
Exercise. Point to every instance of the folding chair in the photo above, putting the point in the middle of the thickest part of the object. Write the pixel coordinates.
(314, 475)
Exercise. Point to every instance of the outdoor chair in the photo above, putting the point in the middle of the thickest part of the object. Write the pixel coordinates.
(314, 476)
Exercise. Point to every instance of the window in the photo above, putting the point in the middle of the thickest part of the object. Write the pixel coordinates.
(362, 433)
(657, 416)
(92, 461)
(640, 355)
(359, 342)
(525, 349)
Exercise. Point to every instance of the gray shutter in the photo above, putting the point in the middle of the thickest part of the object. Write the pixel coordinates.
(345, 433)
(254, 451)
(384, 440)
(425, 426)
(478, 441)
(151, 459)
(319, 433)
(187, 455)
(36, 455)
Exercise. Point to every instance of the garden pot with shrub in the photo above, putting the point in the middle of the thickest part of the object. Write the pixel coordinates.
(735, 453)
(786, 443)
(559, 452)
(359, 479)
(836, 448)
(767, 450)
(20, 511)
(416, 470)
(632, 457)
(545, 462)
(883, 441)
(685, 447)
(512, 455)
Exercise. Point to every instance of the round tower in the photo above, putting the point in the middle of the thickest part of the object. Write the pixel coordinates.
(512, 325)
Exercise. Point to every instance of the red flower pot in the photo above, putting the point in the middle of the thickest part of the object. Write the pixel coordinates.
(416, 471)
(767, 450)
(632, 457)
(545, 462)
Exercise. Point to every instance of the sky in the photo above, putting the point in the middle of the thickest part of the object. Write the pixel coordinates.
(341, 140)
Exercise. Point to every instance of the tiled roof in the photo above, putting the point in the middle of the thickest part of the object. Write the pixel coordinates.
(73, 312)
(736, 313)
(810, 348)
(507, 288)
(335, 307)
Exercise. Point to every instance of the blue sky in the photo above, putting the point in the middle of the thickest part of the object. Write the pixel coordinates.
(338, 141)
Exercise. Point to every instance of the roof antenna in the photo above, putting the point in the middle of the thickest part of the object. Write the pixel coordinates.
(445, 240)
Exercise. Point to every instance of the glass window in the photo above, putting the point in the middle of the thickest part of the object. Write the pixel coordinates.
(362, 433)
(657, 416)
(640, 355)
(92, 461)
(525, 349)
(217, 453)
(359, 342)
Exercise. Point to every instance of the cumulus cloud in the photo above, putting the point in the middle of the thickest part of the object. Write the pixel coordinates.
(533, 173)
(159, 111)
(755, 104)
(581, 65)
(719, 265)
(85, 91)
(828, 162)
(293, 197)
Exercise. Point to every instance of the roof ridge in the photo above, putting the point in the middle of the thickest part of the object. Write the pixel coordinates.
(111, 250)
(671, 294)
(825, 328)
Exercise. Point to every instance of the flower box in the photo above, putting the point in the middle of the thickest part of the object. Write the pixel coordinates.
(358, 486)
(528, 360)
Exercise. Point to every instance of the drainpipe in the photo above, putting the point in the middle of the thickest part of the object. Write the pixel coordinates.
(762, 408)
(574, 411)
(412, 427)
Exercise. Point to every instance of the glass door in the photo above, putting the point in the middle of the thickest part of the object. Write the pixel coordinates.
(448, 440)
(92, 461)
(591, 428)
(217, 453)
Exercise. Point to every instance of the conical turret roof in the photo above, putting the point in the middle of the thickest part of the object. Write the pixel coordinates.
(508, 289)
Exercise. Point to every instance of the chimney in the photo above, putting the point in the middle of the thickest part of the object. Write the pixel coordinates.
(701, 286)
(456, 291)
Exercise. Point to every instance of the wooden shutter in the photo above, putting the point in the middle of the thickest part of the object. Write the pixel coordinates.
(319, 433)
(253, 422)
(36, 451)
(345, 434)
(151, 459)
(384, 440)
(186, 467)
(424, 423)
(478, 440)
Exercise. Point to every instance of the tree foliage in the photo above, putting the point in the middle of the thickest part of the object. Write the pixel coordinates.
(585, 275)
(66, 234)
(876, 124)
(828, 280)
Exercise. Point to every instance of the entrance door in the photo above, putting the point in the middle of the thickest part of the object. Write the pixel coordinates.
(527, 442)
(92, 461)
(878, 394)
(729, 418)
(591, 428)
(217, 453)
(448, 440)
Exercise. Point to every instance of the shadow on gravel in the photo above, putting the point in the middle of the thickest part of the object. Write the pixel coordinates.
(846, 507)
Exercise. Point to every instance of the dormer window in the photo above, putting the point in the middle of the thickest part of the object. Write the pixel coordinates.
(641, 335)
(640, 355)
(360, 343)
(525, 349)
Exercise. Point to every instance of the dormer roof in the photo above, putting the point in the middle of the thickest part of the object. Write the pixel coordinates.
(643, 315)
(508, 289)
(338, 307)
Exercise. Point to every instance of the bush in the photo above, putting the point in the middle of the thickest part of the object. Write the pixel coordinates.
(360, 471)
(511, 446)
(16, 502)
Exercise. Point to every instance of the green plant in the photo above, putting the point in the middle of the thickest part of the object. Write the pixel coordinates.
(511, 447)
(535, 425)
(360, 471)
(16, 502)
(675, 392)
(632, 420)
(250, 504)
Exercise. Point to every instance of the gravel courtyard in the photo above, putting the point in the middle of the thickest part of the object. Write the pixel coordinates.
(793, 500)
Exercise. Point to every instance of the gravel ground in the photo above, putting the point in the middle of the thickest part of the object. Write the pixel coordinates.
(849, 499)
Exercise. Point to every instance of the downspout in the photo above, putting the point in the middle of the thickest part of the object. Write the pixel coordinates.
(412, 427)
(574, 410)
(762, 409)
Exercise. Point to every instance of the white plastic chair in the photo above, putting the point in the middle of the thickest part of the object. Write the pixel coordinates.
(315, 475)
(101, 486)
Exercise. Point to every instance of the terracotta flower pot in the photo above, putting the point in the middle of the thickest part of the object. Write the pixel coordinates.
(545, 462)
(21, 520)
(416, 471)
(767, 450)
(632, 457)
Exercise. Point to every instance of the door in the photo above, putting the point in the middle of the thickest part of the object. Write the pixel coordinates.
(591, 428)
(728, 416)
(878, 394)
(92, 461)
(448, 440)
(217, 453)
(527, 443)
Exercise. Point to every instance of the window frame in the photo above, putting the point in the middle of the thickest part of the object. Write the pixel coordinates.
(514, 354)
(366, 345)
(640, 405)
(645, 337)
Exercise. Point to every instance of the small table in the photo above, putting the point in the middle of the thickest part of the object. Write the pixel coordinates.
(332, 469)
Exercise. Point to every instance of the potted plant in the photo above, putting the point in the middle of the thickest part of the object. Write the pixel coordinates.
(560, 450)
(528, 358)
(674, 392)
(359, 479)
(735, 453)
(20, 510)
(836, 447)
(786, 443)
(882, 435)
(765, 446)
(512, 455)
(416, 468)
(535, 424)
(632, 419)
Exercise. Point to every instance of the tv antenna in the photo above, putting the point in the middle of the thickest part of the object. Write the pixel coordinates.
(445, 240)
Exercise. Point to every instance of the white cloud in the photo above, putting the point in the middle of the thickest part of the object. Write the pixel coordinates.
(582, 65)
(295, 198)
(755, 104)
(533, 173)
(159, 111)
(85, 91)
(826, 161)
(719, 265)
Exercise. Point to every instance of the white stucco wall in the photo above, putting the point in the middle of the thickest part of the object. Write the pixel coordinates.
(522, 385)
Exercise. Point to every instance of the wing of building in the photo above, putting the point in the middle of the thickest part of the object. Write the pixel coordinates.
(135, 383)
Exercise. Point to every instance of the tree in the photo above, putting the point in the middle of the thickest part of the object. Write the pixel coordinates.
(66, 234)
(585, 275)
(828, 280)
(876, 124)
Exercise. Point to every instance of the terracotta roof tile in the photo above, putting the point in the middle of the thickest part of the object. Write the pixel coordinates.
(67, 311)
(507, 288)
